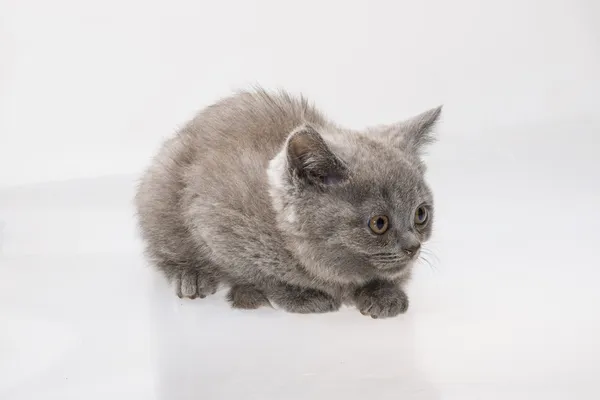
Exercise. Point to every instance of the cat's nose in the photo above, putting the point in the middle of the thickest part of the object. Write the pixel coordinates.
(412, 250)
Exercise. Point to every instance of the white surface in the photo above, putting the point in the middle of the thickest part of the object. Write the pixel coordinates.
(89, 88)
(509, 312)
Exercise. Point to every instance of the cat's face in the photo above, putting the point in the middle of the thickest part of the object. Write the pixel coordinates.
(359, 199)
(379, 215)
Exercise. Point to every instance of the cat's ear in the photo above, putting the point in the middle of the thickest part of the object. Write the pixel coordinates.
(311, 160)
(414, 134)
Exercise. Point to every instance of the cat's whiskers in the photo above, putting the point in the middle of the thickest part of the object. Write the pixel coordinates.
(431, 254)
(425, 256)
(386, 257)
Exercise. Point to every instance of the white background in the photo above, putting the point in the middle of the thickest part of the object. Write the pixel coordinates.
(88, 90)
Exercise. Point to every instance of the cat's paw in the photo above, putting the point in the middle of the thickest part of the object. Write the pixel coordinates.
(191, 284)
(246, 297)
(381, 300)
(305, 301)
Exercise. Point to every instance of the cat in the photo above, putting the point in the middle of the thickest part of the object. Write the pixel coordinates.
(260, 192)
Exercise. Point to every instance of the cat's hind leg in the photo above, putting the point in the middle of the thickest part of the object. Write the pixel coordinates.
(191, 275)
(192, 283)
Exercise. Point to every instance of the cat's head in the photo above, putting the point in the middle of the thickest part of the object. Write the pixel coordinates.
(355, 205)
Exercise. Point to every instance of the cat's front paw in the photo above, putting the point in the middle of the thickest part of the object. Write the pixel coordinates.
(191, 284)
(246, 297)
(381, 300)
(304, 301)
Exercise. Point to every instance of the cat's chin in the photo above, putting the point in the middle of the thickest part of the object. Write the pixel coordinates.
(395, 270)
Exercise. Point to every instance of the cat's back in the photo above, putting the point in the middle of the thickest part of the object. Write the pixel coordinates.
(249, 122)
(228, 145)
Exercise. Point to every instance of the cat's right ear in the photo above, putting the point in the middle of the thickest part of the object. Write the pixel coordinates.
(311, 160)
(414, 134)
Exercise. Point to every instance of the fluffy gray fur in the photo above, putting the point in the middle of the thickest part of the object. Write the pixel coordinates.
(260, 192)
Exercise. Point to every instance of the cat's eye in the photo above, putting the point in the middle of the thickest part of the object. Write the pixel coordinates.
(379, 224)
(421, 215)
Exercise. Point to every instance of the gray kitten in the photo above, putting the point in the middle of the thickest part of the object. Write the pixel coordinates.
(262, 193)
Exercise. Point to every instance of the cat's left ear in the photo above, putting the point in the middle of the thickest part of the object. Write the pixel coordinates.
(414, 134)
(311, 160)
